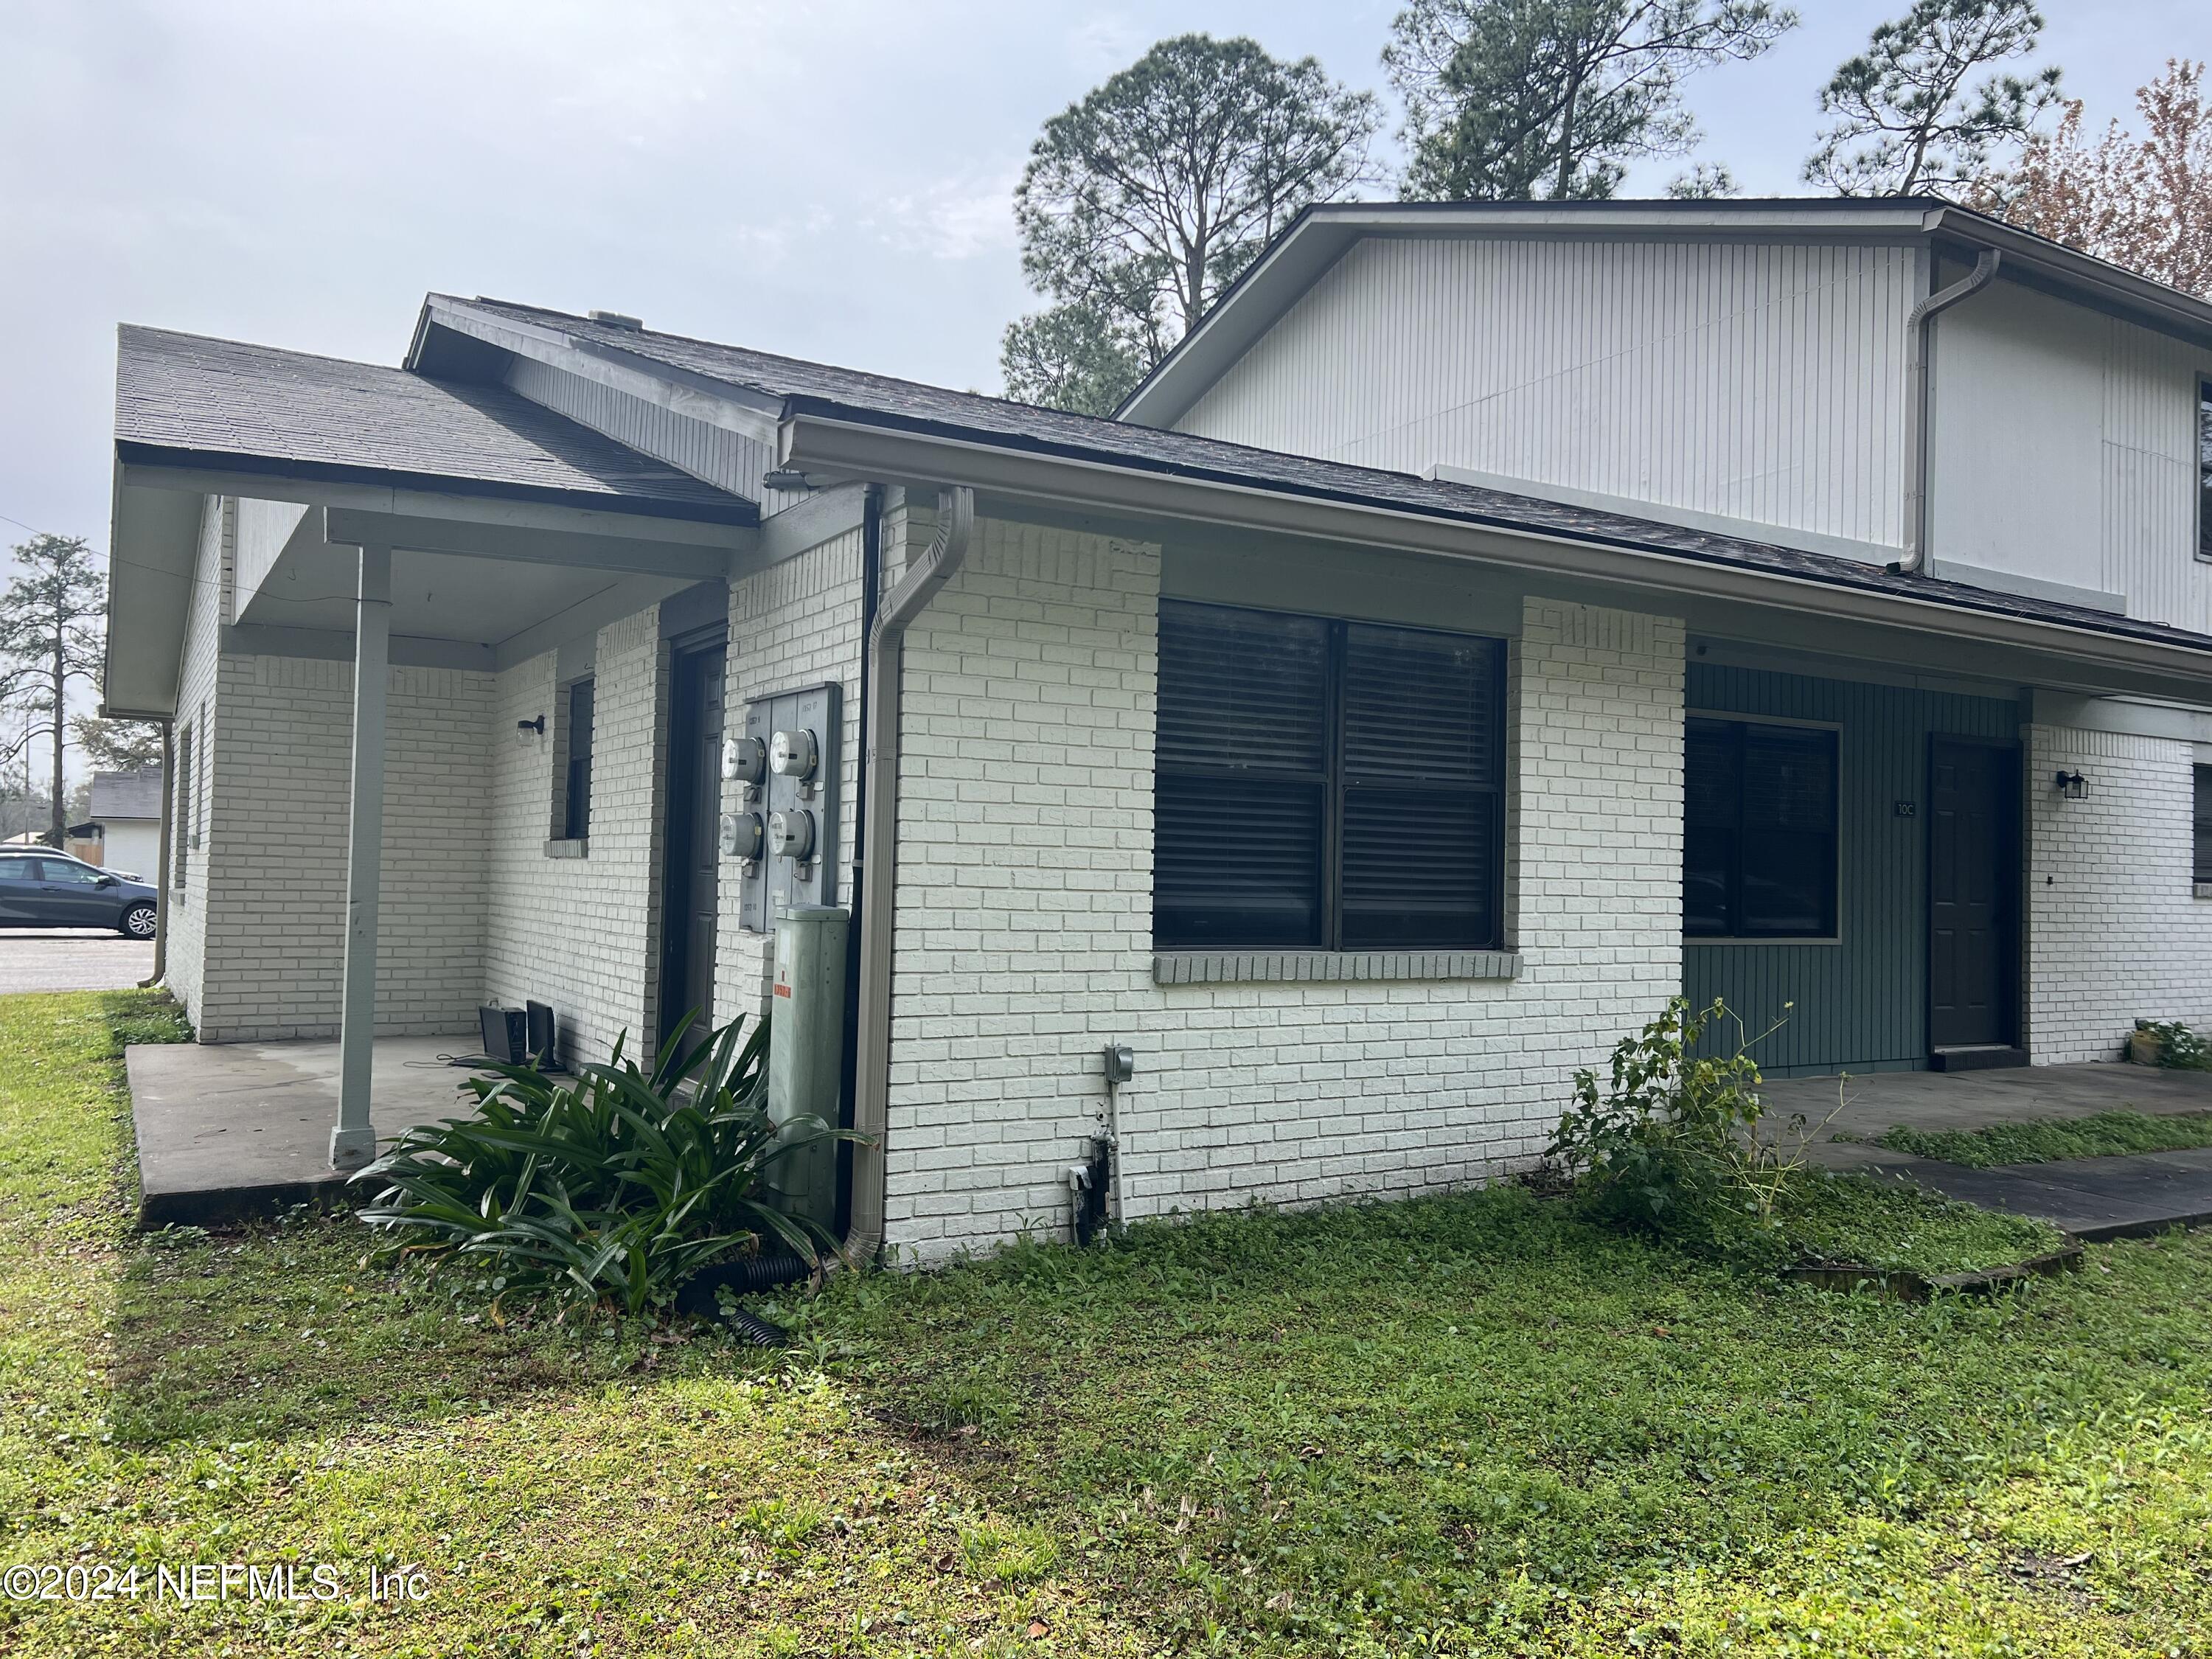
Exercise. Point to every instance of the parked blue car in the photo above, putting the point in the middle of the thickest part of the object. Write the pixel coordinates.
(51, 890)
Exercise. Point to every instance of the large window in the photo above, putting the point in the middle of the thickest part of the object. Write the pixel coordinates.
(1326, 786)
(2202, 865)
(1758, 854)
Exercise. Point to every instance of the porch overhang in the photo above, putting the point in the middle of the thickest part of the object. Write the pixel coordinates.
(480, 580)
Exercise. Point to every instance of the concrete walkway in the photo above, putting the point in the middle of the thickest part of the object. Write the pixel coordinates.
(71, 959)
(229, 1130)
(2090, 1197)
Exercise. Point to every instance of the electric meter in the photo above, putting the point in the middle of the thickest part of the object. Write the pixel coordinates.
(745, 760)
(793, 754)
(791, 833)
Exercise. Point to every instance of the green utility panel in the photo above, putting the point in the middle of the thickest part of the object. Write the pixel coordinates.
(806, 1053)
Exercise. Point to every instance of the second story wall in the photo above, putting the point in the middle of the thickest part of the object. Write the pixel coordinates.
(2061, 449)
(1757, 383)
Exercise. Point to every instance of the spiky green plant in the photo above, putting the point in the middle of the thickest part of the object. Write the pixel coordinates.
(611, 1187)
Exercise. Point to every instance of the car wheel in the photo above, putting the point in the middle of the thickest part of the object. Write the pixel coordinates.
(138, 921)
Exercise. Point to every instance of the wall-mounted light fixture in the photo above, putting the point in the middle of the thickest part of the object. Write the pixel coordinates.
(536, 726)
(2071, 785)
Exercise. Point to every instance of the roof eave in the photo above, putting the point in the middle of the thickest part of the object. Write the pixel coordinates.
(860, 443)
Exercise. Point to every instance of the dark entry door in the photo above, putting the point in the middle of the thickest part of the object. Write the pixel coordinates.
(689, 912)
(1974, 847)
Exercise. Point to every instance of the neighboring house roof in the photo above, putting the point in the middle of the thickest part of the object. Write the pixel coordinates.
(795, 388)
(127, 795)
(1322, 234)
(184, 399)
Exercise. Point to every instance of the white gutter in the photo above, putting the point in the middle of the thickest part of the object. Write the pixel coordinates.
(948, 550)
(1985, 272)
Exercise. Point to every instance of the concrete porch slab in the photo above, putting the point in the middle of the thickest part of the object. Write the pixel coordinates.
(1873, 1101)
(2093, 1198)
(230, 1130)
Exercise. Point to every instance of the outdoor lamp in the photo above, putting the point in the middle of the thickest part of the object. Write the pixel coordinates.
(2071, 785)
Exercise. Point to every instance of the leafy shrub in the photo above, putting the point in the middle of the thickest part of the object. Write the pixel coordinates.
(2179, 1048)
(613, 1187)
(1676, 1141)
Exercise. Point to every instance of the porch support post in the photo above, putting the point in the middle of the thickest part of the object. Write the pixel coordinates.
(353, 1142)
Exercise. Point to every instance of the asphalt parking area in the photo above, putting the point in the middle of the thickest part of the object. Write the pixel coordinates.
(71, 959)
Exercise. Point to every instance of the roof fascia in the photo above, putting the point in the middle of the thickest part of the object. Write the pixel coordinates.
(680, 392)
(149, 467)
(859, 448)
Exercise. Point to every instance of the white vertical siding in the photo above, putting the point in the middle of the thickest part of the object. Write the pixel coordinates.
(1759, 382)
(2062, 447)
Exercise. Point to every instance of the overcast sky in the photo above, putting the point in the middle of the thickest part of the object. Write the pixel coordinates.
(830, 180)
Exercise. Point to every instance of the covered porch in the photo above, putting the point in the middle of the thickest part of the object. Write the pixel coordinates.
(358, 597)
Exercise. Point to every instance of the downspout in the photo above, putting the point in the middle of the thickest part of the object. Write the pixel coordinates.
(161, 875)
(1915, 562)
(872, 597)
(877, 831)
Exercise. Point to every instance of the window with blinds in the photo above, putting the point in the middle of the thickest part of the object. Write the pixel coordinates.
(1326, 785)
(2201, 822)
(576, 790)
(1759, 830)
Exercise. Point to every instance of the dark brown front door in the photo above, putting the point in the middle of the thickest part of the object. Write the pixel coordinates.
(1973, 845)
(689, 912)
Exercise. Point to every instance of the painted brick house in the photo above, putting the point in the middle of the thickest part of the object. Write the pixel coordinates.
(1489, 622)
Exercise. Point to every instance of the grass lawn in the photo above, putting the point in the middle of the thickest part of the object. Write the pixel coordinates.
(2045, 1140)
(1464, 1426)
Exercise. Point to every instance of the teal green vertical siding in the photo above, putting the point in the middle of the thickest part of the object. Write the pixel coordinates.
(1862, 1002)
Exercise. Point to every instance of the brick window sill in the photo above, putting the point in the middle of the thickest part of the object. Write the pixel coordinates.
(568, 849)
(1312, 967)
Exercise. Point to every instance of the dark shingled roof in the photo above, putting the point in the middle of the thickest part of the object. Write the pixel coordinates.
(876, 399)
(184, 397)
(127, 795)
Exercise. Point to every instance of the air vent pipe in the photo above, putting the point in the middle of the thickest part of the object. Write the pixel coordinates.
(1915, 562)
(947, 551)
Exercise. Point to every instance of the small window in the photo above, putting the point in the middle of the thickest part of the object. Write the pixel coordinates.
(1759, 831)
(2202, 862)
(2204, 469)
(180, 809)
(576, 789)
(1326, 786)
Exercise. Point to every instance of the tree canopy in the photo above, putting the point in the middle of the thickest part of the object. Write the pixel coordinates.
(1513, 100)
(1906, 119)
(50, 639)
(2144, 202)
(1146, 199)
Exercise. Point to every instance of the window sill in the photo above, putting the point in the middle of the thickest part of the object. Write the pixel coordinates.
(1279, 967)
(568, 849)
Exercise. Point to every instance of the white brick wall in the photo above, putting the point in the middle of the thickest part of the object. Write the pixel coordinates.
(1024, 923)
(2113, 933)
(797, 623)
(184, 951)
(257, 933)
(281, 792)
(580, 933)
